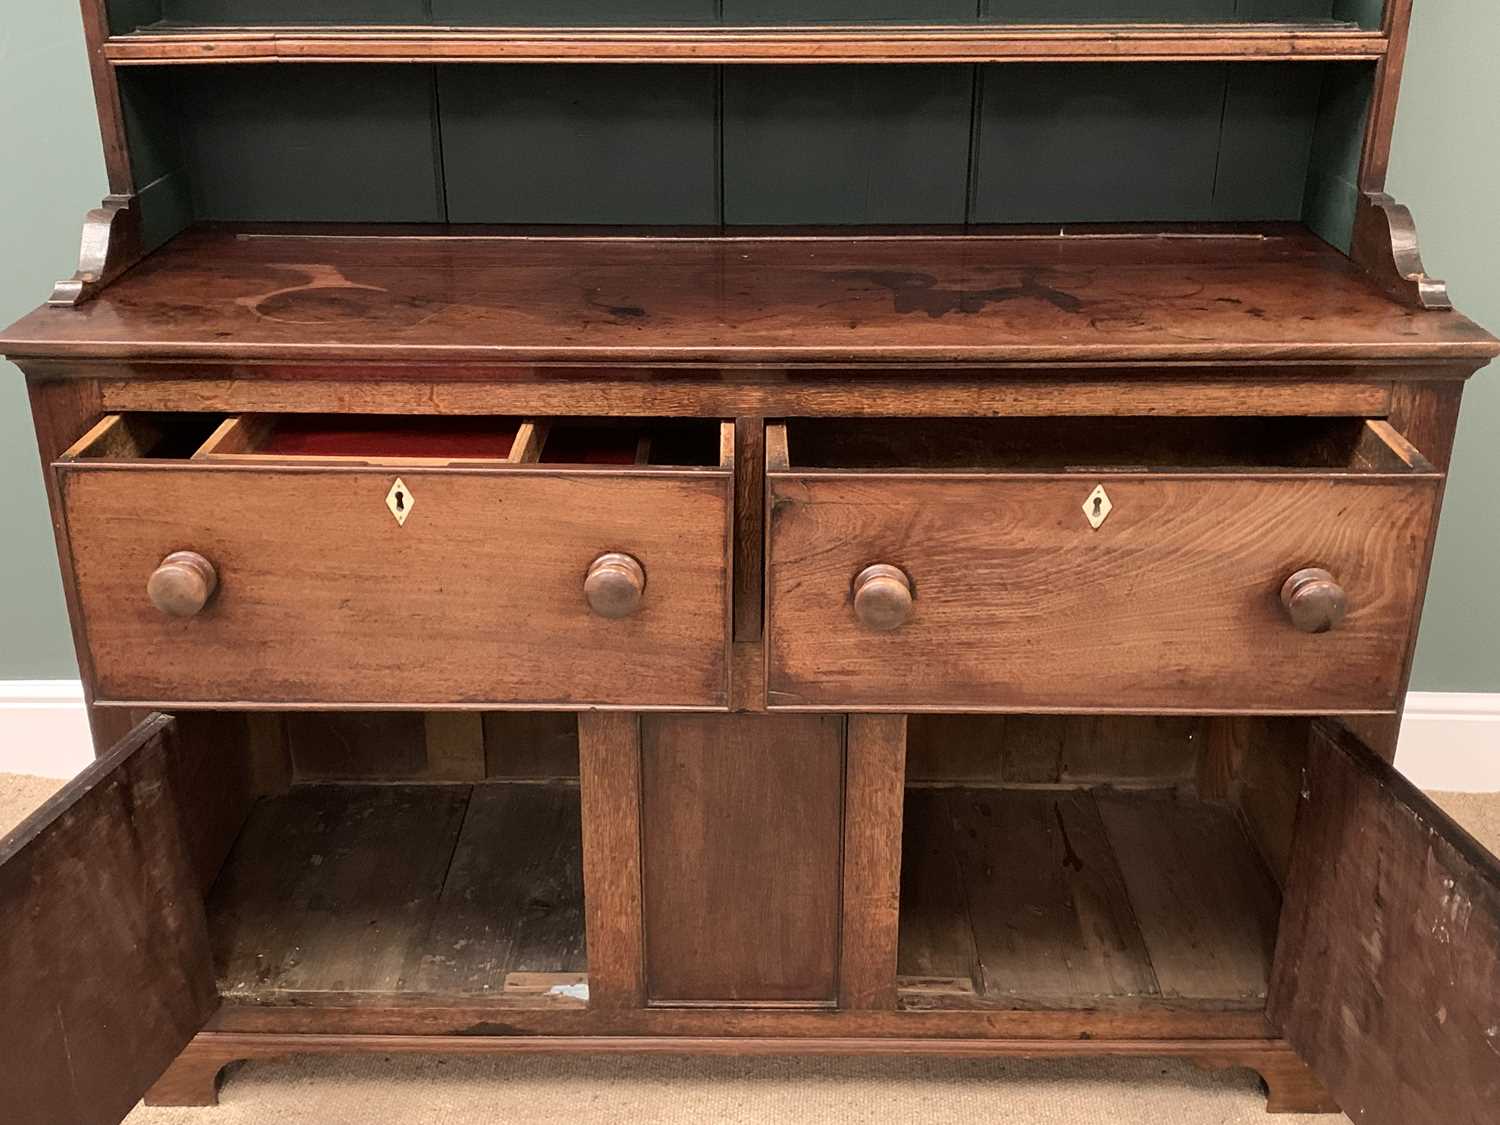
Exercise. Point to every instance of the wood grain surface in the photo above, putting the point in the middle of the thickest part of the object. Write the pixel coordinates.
(1388, 966)
(1205, 41)
(1038, 899)
(104, 954)
(1172, 605)
(217, 293)
(741, 836)
(477, 599)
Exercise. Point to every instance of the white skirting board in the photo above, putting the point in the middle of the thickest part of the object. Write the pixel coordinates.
(1450, 740)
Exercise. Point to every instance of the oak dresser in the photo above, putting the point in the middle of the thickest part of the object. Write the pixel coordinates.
(761, 527)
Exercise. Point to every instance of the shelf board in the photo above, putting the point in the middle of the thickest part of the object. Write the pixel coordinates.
(1137, 42)
(1103, 294)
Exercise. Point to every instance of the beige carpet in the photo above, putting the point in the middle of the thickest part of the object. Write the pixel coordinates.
(640, 1091)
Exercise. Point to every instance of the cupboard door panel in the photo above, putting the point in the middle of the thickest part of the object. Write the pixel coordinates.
(1387, 976)
(104, 957)
(742, 817)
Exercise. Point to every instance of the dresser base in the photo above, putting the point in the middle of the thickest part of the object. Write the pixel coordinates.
(193, 1079)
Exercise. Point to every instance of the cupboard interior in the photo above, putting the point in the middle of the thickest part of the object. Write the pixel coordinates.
(1094, 444)
(749, 146)
(404, 856)
(404, 439)
(1048, 863)
(131, 15)
(1087, 863)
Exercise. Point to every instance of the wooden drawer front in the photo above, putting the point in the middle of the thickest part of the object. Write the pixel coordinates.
(324, 598)
(1019, 604)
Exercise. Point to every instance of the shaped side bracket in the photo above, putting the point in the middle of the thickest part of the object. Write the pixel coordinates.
(1385, 244)
(111, 245)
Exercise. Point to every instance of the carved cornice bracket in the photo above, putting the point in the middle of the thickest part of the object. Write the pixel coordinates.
(1385, 244)
(111, 245)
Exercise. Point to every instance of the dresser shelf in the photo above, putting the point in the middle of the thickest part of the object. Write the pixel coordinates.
(1276, 293)
(1315, 41)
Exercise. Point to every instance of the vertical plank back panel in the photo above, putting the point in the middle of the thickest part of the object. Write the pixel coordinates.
(846, 144)
(580, 144)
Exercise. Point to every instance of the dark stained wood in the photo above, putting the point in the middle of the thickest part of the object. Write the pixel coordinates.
(1124, 750)
(874, 788)
(1225, 748)
(387, 745)
(104, 955)
(984, 551)
(210, 294)
(949, 748)
(111, 245)
(1427, 412)
(749, 527)
(333, 888)
(1206, 905)
(609, 745)
(194, 1081)
(330, 746)
(1119, 750)
(105, 79)
(948, 44)
(936, 936)
(1385, 243)
(1268, 785)
(741, 825)
(1259, 392)
(455, 745)
(1388, 967)
(1138, 1020)
(512, 900)
(530, 745)
(226, 761)
(456, 606)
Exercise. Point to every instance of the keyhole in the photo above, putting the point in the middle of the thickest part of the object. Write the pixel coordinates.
(1098, 504)
(401, 502)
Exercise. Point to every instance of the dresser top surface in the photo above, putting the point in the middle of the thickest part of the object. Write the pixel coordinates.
(1086, 297)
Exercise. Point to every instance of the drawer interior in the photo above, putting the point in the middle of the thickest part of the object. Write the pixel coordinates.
(1053, 862)
(408, 855)
(409, 440)
(144, 437)
(1095, 444)
(373, 437)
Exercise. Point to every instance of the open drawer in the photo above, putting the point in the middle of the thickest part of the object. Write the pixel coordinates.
(340, 560)
(1127, 565)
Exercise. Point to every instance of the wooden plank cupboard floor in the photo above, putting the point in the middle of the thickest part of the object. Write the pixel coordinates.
(1048, 898)
(340, 892)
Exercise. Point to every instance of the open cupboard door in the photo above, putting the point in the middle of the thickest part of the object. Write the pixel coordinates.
(1388, 965)
(105, 968)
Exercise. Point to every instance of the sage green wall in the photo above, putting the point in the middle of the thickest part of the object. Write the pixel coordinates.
(53, 174)
(1445, 165)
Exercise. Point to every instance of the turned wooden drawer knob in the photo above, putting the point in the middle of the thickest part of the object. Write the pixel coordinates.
(1314, 601)
(614, 585)
(882, 597)
(182, 585)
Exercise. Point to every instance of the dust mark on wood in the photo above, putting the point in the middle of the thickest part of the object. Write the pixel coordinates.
(920, 292)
